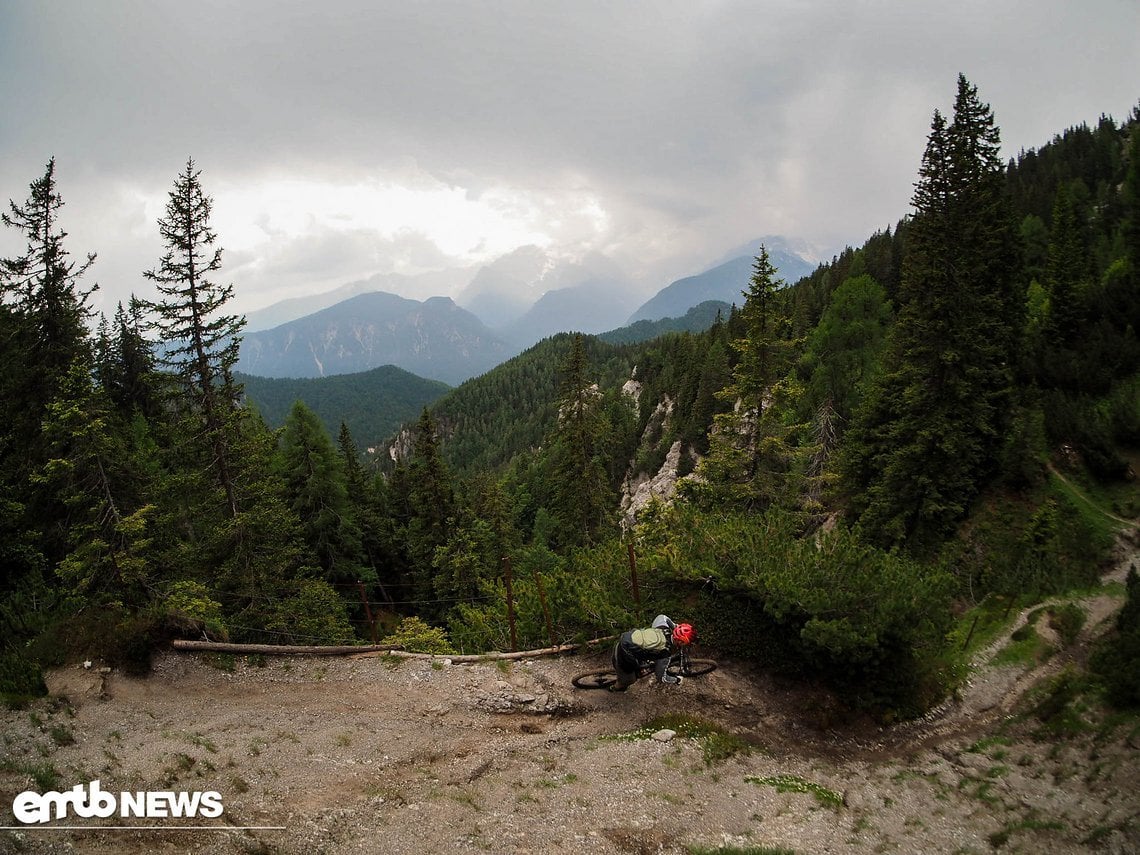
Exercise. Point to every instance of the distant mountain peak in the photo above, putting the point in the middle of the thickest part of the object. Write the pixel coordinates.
(725, 282)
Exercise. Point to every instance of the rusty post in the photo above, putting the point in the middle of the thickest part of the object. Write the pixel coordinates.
(633, 574)
(367, 610)
(510, 602)
(970, 635)
(545, 609)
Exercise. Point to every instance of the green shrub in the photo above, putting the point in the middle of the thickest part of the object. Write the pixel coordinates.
(416, 636)
(192, 600)
(20, 679)
(1116, 660)
(313, 614)
(122, 638)
(869, 623)
(1067, 620)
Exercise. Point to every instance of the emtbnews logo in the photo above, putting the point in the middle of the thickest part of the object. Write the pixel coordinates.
(91, 801)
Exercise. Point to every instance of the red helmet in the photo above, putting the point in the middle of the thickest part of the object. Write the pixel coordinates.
(683, 633)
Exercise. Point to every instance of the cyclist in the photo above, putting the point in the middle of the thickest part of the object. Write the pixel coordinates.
(639, 648)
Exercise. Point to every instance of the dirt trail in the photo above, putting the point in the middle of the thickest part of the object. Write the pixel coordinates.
(370, 755)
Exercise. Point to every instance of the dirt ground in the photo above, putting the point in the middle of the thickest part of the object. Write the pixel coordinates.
(374, 754)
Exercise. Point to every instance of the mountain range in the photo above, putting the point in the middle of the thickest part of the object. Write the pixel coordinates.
(504, 308)
(433, 339)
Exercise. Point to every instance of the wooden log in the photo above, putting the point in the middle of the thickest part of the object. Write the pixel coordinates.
(366, 650)
(278, 649)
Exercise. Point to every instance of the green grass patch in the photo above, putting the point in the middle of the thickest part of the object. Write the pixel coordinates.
(987, 620)
(1060, 706)
(982, 746)
(717, 744)
(61, 735)
(796, 784)
(1067, 619)
(1093, 514)
(1025, 647)
(1000, 838)
(222, 661)
(44, 775)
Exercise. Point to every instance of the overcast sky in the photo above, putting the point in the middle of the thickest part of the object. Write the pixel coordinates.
(343, 139)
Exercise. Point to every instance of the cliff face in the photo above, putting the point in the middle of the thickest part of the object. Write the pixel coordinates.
(640, 488)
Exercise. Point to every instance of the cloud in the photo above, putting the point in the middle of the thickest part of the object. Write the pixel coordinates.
(363, 136)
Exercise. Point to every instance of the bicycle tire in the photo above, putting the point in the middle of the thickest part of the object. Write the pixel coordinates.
(698, 667)
(594, 680)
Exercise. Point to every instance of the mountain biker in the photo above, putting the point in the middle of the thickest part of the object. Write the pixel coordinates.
(639, 648)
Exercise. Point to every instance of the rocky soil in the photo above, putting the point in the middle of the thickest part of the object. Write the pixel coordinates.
(376, 754)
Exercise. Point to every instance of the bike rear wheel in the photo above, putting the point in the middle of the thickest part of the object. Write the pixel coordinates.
(595, 680)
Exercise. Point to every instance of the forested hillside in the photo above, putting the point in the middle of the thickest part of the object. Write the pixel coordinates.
(862, 460)
(371, 404)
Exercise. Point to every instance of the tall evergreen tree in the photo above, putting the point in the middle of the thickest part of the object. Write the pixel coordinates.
(129, 369)
(584, 498)
(45, 326)
(1067, 269)
(371, 503)
(431, 508)
(844, 351)
(93, 471)
(316, 489)
(929, 435)
(199, 341)
(750, 457)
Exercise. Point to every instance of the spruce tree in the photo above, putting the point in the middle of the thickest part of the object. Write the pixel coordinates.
(199, 341)
(584, 499)
(1067, 269)
(93, 470)
(45, 323)
(928, 436)
(750, 457)
(431, 507)
(316, 490)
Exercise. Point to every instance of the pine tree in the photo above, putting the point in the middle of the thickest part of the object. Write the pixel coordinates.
(1130, 225)
(93, 471)
(750, 457)
(431, 508)
(45, 323)
(371, 502)
(844, 351)
(930, 431)
(584, 498)
(316, 490)
(200, 342)
(1067, 269)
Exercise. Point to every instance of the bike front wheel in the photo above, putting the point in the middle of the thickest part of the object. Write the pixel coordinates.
(595, 680)
(697, 667)
(692, 667)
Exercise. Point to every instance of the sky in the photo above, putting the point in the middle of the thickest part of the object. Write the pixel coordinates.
(349, 138)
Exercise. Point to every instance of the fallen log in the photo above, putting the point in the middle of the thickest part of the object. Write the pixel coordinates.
(278, 649)
(366, 650)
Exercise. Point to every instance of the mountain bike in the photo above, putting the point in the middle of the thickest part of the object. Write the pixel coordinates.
(681, 664)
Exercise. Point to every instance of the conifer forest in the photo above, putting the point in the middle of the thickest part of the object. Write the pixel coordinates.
(870, 462)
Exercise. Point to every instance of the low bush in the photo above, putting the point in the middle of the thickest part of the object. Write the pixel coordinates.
(870, 624)
(1116, 661)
